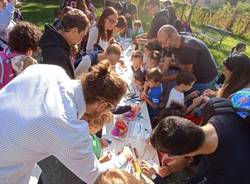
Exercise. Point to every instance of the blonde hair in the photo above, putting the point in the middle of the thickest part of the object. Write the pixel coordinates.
(98, 122)
(117, 176)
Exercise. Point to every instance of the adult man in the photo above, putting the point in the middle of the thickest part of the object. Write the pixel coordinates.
(40, 115)
(57, 45)
(224, 142)
(161, 17)
(190, 54)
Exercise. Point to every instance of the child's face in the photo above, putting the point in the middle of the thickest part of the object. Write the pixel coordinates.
(93, 129)
(152, 63)
(137, 28)
(152, 83)
(137, 63)
(119, 30)
(113, 58)
(187, 87)
(242, 49)
(146, 51)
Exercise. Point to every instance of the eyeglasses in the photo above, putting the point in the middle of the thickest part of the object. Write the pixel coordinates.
(113, 21)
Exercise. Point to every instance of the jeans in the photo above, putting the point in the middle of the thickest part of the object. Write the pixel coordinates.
(203, 86)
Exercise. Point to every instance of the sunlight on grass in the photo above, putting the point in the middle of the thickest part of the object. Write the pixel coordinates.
(40, 12)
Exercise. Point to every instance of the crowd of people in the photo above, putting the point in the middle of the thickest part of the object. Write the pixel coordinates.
(59, 87)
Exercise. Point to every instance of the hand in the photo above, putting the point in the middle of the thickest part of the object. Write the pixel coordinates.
(127, 153)
(147, 169)
(128, 15)
(141, 40)
(165, 171)
(143, 96)
(209, 93)
(105, 158)
(104, 143)
(194, 94)
(197, 101)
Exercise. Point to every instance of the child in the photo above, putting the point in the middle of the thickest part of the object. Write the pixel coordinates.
(154, 60)
(112, 54)
(238, 49)
(137, 29)
(19, 52)
(95, 125)
(184, 82)
(138, 71)
(120, 27)
(154, 93)
(148, 50)
(117, 176)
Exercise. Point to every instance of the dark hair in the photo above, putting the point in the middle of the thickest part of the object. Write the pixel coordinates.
(239, 66)
(138, 23)
(154, 74)
(167, 3)
(137, 54)
(238, 46)
(24, 36)
(177, 136)
(100, 24)
(175, 109)
(139, 75)
(185, 77)
(74, 18)
(121, 22)
(152, 45)
(156, 56)
(102, 83)
(118, 7)
(172, 16)
(115, 176)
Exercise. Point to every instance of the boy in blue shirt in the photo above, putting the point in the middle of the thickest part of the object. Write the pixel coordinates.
(154, 93)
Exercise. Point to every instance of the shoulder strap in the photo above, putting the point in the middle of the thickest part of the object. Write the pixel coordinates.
(217, 106)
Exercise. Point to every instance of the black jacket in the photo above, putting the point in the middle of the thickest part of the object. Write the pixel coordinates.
(55, 50)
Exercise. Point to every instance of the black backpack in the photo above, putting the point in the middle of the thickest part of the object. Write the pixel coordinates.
(217, 106)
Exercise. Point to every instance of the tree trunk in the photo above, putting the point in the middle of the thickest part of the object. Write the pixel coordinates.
(193, 4)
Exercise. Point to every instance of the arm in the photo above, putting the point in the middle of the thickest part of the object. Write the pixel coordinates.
(92, 39)
(153, 105)
(84, 66)
(6, 16)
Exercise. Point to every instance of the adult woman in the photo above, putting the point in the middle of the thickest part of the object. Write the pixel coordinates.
(101, 33)
(40, 116)
(236, 71)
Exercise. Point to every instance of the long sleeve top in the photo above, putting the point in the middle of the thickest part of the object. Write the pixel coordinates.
(40, 116)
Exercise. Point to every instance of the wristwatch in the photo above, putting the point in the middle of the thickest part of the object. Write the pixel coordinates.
(153, 176)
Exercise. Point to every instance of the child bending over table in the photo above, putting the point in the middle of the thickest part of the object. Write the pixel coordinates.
(154, 61)
(95, 125)
(184, 82)
(154, 92)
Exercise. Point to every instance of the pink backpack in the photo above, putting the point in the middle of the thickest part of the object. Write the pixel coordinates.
(6, 71)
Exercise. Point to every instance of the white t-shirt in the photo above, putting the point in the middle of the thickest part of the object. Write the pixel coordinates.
(175, 96)
(84, 66)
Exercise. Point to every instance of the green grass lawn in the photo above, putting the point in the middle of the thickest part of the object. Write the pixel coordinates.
(42, 11)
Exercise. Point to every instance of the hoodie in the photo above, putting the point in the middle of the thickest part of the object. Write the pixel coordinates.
(160, 19)
(55, 50)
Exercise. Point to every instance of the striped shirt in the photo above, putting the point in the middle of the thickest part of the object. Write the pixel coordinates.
(39, 116)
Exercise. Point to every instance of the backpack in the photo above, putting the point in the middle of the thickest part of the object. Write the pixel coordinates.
(217, 106)
(6, 71)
